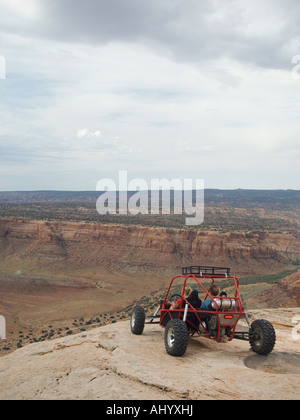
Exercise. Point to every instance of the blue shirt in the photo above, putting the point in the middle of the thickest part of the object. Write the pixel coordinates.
(206, 304)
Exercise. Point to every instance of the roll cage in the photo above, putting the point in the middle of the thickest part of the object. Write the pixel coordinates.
(225, 311)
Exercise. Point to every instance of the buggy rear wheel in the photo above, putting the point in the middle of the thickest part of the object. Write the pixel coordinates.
(137, 321)
(176, 337)
(262, 337)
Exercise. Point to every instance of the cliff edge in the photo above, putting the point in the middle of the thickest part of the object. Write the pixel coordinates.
(111, 363)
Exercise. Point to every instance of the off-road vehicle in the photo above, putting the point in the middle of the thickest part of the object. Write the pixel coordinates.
(218, 322)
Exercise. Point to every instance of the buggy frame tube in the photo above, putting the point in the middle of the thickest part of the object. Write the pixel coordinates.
(217, 312)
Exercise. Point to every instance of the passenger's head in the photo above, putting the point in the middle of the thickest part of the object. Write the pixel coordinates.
(187, 292)
(214, 290)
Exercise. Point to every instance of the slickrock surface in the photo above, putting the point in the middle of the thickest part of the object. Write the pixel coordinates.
(111, 363)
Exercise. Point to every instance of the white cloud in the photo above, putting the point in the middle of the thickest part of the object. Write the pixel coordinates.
(82, 133)
(86, 133)
(19, 9)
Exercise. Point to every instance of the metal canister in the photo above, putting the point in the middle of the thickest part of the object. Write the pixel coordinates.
(225, 304)
(218, 302)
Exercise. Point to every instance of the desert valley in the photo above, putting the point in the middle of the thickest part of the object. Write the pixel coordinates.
(66, 272)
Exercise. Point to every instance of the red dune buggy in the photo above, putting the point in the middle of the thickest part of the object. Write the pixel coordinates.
(219, 319)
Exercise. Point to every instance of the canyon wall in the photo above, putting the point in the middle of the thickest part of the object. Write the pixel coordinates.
(285, 294)
(131, 248)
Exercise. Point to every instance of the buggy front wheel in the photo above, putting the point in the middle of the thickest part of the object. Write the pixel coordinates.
(262, 337)
(176, 337)
(137, 322)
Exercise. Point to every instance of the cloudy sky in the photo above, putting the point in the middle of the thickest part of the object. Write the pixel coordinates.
(200, 89)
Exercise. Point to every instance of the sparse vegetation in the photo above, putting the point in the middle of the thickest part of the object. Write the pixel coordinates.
(50, 332)
(225, 211)
(149, 303)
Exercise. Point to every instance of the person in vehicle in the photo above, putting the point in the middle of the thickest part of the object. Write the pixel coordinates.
(213, 291)
(179, 302)
(191, 296)
(194, 300)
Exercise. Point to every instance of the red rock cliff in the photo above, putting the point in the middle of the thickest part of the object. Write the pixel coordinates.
(133, 247)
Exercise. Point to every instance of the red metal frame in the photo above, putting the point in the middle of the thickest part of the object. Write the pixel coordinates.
(223, 316)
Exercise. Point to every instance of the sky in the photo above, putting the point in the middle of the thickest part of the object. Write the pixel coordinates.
(174, 89)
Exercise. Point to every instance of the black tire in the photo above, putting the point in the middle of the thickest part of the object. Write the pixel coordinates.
(176, 337)
(262, 337)
(137, 322)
